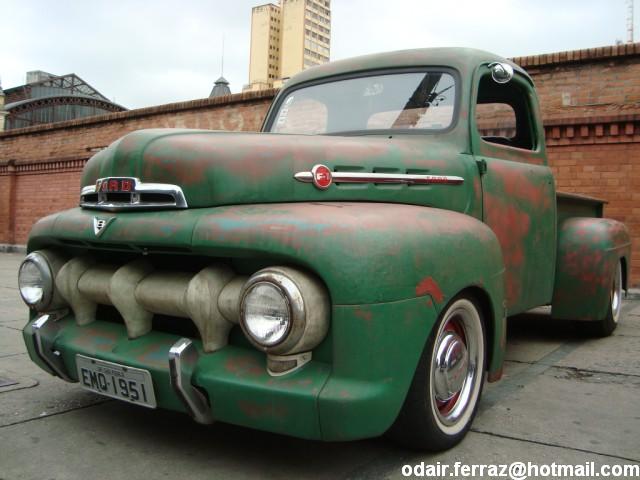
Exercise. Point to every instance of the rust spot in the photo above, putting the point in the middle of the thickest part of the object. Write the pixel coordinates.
(92, 337)
(428, 286)
(363, 314)
(244, 366)
(511, 225)
(495, 376)
(255, 410)
(151, 354)
(282, 383)
(345, 394)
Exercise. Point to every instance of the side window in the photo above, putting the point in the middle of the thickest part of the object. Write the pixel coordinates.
(503, 115)
(303, 116)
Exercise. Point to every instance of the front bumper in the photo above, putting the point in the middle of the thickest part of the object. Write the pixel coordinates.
(358, 395)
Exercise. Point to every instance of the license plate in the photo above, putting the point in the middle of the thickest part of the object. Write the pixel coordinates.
(133, 385)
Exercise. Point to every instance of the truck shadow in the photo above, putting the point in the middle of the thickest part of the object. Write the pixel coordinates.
(173, 442)
(537, 325)
(238, 451)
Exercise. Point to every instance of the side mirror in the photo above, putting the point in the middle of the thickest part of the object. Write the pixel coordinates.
(501, 72)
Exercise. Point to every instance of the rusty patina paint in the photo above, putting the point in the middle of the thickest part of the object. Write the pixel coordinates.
(219, 168)
(402, 243)
(243, 366)
(256, 410)
(96, 336)
(428, 286)
(588, 252)
(519, 206)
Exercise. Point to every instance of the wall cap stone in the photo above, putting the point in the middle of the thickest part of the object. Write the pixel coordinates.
(578, 56)
(231, 100)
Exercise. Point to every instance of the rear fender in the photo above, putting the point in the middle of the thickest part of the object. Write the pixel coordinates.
(588, 252)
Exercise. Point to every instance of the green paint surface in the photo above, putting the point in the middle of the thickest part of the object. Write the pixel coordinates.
(391, 256)
(589, 250)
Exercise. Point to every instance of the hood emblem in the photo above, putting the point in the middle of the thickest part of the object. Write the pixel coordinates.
(322, 177)
(100, 224)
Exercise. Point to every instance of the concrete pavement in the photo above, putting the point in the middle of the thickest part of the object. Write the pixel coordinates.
(565, 398)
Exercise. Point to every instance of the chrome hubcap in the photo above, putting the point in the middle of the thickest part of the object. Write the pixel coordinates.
(452, 365)
(457, 366)
(616, 294)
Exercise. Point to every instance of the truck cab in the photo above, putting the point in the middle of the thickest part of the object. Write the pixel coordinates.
(343, 274)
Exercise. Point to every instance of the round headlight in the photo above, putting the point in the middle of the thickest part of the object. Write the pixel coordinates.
(266, 313)
(35, 281)
(284, 310)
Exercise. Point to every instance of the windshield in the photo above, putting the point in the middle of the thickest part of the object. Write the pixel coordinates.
(416, 100)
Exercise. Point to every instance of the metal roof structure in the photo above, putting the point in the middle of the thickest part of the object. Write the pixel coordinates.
(48, 98)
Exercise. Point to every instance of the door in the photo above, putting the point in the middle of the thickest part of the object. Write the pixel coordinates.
(519, 202)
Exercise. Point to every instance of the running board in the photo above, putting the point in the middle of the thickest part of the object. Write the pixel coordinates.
(183, 358)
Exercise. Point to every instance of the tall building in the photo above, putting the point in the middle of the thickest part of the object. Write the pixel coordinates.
(287, 38)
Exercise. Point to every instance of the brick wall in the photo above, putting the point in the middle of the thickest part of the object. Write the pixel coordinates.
(81, 138)
(604, 165)
(590, 103)
(587, 83)
(57, 152)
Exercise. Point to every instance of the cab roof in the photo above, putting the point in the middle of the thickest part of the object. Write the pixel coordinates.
(465, 60)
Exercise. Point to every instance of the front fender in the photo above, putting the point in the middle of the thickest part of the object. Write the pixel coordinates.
(365, 252)
(369, 253)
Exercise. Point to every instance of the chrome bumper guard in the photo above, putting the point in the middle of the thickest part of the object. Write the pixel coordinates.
(45, 328)
(183, 358)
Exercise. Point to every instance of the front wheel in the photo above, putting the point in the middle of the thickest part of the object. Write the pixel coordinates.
(443, 397)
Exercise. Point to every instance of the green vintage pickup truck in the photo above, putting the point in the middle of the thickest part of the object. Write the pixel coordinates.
(343, 274)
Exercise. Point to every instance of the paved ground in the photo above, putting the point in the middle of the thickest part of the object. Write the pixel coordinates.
(565, 398)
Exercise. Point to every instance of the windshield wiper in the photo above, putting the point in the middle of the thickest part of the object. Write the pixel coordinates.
(420, 101)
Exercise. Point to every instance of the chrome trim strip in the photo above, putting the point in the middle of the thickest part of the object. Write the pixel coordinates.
(45, 328)
(293, 298)
(179, 200)
(88, 189)
(305, 177)
(117, 207)
(369, 177)
(183, 358)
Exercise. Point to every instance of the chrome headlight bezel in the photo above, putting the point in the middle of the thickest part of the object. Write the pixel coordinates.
(46, 273)
(295, 304)
(309, 309)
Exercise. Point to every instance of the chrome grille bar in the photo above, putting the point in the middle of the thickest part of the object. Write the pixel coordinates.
(108, 194)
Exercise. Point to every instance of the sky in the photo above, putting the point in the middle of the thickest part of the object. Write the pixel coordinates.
(140, 53)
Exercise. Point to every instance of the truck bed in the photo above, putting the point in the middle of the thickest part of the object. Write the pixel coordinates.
(576, 205)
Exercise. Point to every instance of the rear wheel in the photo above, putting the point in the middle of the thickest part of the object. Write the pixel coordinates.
(606, 326)
(443, 397)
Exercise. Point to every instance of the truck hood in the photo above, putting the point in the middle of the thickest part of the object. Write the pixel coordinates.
(226, 168)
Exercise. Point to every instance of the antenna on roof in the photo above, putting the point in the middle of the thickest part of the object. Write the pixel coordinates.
(222, 59)
(629, 21)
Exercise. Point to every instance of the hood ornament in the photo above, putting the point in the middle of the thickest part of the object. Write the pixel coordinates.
(100, 224)
(322, 177)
